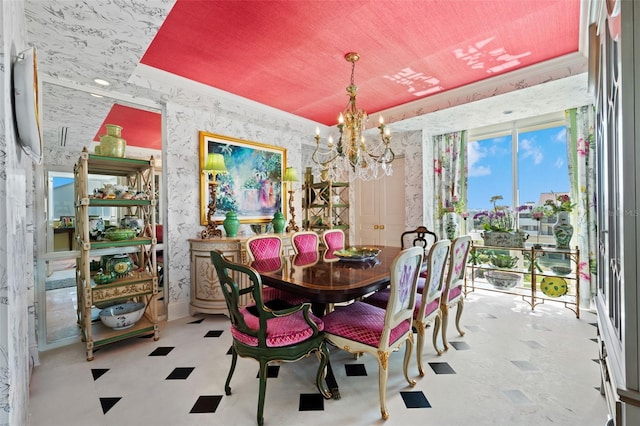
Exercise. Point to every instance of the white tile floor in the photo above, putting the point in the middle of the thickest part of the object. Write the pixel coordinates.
(513, 367)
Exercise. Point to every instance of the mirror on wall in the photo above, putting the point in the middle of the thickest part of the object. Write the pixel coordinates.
(73, 119)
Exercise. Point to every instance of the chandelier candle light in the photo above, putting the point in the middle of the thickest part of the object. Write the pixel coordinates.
(352, 156)
(291, 176)
(213, 166)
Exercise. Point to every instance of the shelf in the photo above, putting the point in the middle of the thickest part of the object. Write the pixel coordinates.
(103, 335)
(114, 202)
(122, 243)
(530, 292)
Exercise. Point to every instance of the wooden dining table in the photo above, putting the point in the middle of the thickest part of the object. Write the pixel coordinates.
(324, 278)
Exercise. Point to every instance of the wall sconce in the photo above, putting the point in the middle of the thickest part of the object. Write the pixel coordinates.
(213, 166)
(291, 176)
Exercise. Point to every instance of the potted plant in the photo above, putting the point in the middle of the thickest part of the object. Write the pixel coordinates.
(500, 225)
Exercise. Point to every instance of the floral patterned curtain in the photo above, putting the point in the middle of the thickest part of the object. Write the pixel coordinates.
(450, 177)
(582, 175)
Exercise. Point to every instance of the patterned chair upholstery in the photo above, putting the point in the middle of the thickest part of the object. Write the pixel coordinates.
(268, 335)
(427, 308)
(363, 328)
(265, 255)
(306, 259)
(452, 294)
(305, 242)
(333, 239)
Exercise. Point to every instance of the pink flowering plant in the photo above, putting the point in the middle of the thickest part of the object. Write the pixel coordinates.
(562, 203)
(500, 218)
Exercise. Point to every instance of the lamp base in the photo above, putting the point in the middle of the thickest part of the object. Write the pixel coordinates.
(211, 231)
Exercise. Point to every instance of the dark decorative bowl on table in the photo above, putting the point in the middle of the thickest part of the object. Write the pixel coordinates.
(503, 280)
(261, 228)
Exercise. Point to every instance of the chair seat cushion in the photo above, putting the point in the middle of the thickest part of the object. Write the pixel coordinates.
(381, 298)
(362, 323)
(421, 281)
(455, 292)
(281, 331)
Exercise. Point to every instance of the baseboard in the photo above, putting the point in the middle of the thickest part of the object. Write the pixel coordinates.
(177, 310)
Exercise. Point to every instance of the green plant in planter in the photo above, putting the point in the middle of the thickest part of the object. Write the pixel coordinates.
(504, 260)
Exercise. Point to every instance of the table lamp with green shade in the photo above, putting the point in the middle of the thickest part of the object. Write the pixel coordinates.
(212, 167)
(291, 176)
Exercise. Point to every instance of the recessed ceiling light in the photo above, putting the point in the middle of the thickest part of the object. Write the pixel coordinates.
(101, 82)
(96, 95)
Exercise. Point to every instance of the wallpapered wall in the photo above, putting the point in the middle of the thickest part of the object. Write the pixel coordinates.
(16, 234)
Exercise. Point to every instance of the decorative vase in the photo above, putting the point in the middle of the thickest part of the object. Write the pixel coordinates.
(120, 264)
(96, 227)
(231, 224)
(132, 222)
(111, 144)
(563, 230)
(278, 222)
(451, 225)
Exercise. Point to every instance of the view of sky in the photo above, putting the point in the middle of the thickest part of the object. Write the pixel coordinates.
(542, 167)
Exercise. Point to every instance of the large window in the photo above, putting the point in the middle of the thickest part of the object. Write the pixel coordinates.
(523, 162)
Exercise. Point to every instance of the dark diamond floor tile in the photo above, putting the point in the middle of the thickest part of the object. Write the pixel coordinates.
(213, 333)
(230, 351)
(272, 372)
(180, 373)
(206, 404)
(108, 403)
(162, 351)
(594, 340)
(355, 370)
(415, 399)
(146, 336)
(460, 346)
(98, 372)
(533, 344)
(441, 368)
(198, 321)
(517, 397)
(595, 324)
(473, 328)
(488, 316)
(311, 402)
(596, 360)
(525, 366)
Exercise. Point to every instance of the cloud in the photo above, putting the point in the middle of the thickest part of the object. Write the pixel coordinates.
(559, 163)
(530, 150)
(475, 153)
(561, 136)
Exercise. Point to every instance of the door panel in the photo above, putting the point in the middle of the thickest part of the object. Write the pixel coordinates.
(380, 213)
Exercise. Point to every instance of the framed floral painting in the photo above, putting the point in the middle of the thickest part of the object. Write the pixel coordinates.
(252, 186)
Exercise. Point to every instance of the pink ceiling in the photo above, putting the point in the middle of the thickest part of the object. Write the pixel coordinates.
(289, 54)
(139, 127)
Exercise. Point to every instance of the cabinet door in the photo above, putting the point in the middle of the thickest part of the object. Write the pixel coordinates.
(379, 209)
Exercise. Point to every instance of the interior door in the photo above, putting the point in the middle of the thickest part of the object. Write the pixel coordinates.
(379, 204)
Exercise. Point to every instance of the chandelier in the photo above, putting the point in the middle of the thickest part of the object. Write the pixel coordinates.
(352, 156)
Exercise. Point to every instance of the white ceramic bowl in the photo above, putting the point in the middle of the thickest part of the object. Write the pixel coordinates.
(123, 315)
(502, 279)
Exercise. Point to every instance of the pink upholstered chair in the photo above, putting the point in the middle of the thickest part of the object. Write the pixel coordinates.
(305, 242)
(266, 252)
(363, 328)
(452, 294)
(427, 308)
(307, 258)
(268, 335)
(333, 239)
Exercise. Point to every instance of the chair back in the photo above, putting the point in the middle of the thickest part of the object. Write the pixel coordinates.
(232, 291)
(333, 239)
(306, 259)
(436, 262)
(263, 247)
(405, 271)
(420, 236)
(457, 268)
(305, 242)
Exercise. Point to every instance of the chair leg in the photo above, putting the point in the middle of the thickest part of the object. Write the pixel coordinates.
(407, 359)
(420, 329)
(383, 374)
(436, 329)
(234, 360)
(459, 315)
(445, 319)
(262, 391)
(323, 357)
